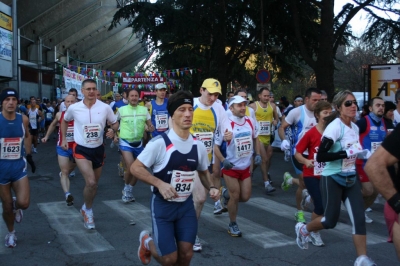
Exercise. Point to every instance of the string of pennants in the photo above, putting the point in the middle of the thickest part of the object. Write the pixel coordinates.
(179, 72)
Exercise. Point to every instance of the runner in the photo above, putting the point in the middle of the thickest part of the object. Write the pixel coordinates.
(133, 119)
(118, 104)
(236, 163)
(388, 183)
(339, 148)
(373, 130)
(174, 158)
(35, 117)
(312, 169)
(90, 118)
(65, 158)
(14, 142)
(158, 110)
(267, 118)
(300, 119)
(209, 119)
(72, 92)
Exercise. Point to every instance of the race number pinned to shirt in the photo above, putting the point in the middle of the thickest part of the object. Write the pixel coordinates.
(207, 139)
(183, 183)
(375, 146)
(161, 122)
(91, 134)
(318, 166)
(348, 163)
(264, 128)
(70, 134)
(243, 146)
(10, 148)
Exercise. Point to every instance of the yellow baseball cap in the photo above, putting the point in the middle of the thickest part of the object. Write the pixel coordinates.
(212, 85)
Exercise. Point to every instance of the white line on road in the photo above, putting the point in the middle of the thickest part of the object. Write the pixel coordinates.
(74, 237)
(251, 231)
(276, 208)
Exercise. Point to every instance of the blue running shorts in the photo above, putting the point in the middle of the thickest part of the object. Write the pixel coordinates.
(12, 170)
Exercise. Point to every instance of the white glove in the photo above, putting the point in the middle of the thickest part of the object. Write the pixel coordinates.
(364, 154)
(285, 145)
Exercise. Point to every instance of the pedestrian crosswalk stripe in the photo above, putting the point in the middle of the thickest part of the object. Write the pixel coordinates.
(286, 211)
(74, 237)
(255, 233)
(3, 232)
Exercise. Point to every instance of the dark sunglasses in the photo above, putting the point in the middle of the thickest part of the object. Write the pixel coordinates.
(349, 103)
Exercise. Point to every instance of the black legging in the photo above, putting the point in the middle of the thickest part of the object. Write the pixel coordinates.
(333, 194)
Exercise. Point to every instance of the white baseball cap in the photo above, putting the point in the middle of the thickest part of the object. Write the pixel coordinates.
(160, 86)
(236, 99)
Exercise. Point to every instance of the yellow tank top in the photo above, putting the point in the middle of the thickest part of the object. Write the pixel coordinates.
(247, 111)
(264, 118)
(203, 127)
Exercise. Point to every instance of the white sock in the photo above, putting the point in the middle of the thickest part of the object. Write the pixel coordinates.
(146, 243)
(266, 183)
(304, 230)
(290, 181)
(217, 202)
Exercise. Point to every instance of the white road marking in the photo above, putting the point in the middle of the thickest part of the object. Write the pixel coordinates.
(73, 236)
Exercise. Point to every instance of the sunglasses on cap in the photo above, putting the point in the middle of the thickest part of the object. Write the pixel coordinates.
(349, 103)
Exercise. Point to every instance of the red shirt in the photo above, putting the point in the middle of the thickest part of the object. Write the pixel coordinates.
(310, 141)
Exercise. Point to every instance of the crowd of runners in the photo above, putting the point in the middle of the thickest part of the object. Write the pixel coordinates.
(190, 148)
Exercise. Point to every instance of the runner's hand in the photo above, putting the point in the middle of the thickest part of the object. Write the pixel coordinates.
(110, 133)
(167, 191)
(257, 159)
(31, 162)
(228, 135)
(227, 164)
(214, 194)
(64, 145)
(285, 145)
(44, 140)
(309, 164)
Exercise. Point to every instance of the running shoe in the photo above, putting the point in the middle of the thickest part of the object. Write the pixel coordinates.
(17, 212)
(363, 260)
(301, 239)
(233, 229)
(269, 178)
(11, 240)
(367, 219)
(127, 195)
(299, 217)
(304, 195)
(269, 188)
(88, 219)
(315, 239)
(223, 200)
(368, 210)
(69, 200)
(34, 150)
(72, 174)
(143, 253)
(285, 184)
(197, 245)
(218, 207)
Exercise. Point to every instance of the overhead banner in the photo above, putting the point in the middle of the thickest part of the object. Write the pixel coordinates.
(384, 81)
(72, 80)
(143, 80)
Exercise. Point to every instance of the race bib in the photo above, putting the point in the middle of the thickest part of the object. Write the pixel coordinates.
(318, 166)
(183, 183)
(10, 148)
(207, 139)
(91, 134)
(70, 134)
(243, 146)
(264, 128)
(348, 163)
(161, 122)
(375, 146)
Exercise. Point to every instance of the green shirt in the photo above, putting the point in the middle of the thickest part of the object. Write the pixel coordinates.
(132, 122)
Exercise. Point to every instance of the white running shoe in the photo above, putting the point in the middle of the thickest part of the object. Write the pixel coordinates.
(72, 174)
(304, 195)
(11, 240)
(217, 208)
(18, 212)
(197, 245)
(34, 150)
(368, 210)
(88, 219)
(367, 219)
(364, 260)
(301, 239)
(315, 239)
(127, 195)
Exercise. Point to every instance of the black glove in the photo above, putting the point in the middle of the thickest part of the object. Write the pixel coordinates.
(31, 162)
(227, 164)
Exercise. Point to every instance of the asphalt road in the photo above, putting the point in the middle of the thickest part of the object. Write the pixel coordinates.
(53, 234)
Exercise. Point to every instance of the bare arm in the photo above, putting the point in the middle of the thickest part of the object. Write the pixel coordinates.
(64, 142)
(52, 127)
(282, 128)
(275, 113)
(376, 169)
(308, 163)
(206, 180)
(217, 153)
(27, 139)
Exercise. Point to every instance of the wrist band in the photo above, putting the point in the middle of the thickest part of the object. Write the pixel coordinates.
(212, 187)
(394, 202)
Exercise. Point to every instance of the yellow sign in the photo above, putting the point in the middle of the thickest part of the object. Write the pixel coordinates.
(5, 21)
